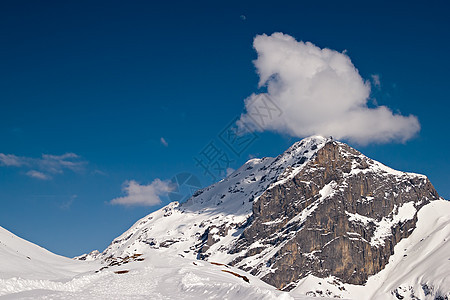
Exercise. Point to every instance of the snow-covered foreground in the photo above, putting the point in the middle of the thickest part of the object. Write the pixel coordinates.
(156, 277)
(28, 271)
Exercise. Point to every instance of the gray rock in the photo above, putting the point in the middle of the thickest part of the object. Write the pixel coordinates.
(326, 241)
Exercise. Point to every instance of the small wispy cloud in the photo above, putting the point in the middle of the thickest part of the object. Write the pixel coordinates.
(99, 172)
(143, 195)
(57, 163)
(45, 166)
(164, 142)
(10, 160)
(67, 204)
(38, 175)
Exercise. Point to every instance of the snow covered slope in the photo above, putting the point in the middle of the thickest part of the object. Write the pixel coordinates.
(20, 258)
(30, 272)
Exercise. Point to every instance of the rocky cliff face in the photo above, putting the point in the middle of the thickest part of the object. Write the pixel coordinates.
(321, 208)
(341, 216)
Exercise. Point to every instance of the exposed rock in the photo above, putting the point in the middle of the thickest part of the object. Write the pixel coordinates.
(309, 219)
(88, 256)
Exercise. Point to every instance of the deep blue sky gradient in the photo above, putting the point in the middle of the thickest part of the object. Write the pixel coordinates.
(107, 79)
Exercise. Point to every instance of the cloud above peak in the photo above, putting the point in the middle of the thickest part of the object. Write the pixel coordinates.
(318, 91)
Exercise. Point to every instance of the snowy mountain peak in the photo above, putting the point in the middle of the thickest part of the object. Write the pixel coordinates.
(308, 143)
(254, 177)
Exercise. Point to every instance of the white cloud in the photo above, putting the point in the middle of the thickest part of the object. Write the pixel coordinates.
(41, 168)
(164, 142)
(319, 91)
(143, 195)
(38, 175)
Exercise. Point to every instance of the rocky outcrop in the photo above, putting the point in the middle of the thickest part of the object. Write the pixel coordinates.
(341, 216)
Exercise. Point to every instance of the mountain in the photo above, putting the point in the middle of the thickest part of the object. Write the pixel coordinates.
(320, 210)
(319, 220)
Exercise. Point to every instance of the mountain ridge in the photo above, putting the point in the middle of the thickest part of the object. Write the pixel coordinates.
(228, 221)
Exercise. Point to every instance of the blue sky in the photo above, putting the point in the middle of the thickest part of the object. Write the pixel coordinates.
(97, 94)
